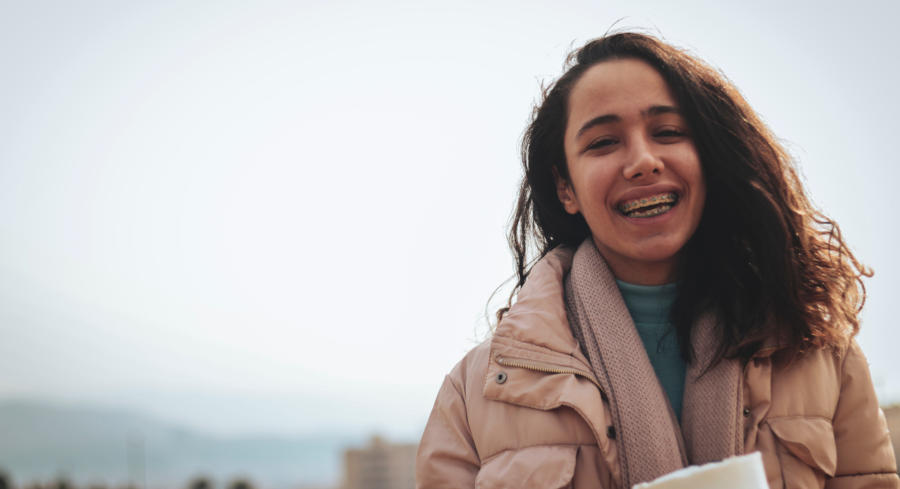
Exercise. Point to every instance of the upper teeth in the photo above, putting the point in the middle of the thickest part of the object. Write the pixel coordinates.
(667, 198)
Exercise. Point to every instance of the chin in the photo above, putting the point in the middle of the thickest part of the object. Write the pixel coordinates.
(664, 251)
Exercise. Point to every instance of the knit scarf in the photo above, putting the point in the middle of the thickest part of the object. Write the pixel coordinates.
(648, 439)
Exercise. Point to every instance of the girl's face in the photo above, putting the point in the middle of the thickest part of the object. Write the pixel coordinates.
(634, 173)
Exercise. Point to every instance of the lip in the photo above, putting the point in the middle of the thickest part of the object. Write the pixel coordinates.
(647, 191)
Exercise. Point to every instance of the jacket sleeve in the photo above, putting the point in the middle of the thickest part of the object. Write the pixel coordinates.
(865, 458)
(447, 458)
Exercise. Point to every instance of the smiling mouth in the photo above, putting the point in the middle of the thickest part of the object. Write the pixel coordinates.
(649, 206)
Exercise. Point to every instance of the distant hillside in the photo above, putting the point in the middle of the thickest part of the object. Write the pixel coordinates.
(40, 441)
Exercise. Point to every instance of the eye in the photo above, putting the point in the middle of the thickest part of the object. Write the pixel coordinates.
(670, 134)
(601, 143)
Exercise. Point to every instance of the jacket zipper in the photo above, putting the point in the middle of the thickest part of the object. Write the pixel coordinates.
(547, 369)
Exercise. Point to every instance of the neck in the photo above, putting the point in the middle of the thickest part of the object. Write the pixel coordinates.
(642, 272)
(637, 270)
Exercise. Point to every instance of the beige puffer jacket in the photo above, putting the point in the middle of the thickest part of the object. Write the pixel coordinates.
(523, 410)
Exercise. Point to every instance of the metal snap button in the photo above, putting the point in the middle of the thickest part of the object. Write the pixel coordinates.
(746, 412)
(501, 377)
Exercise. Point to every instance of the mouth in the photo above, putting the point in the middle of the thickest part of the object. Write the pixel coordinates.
(650, 206)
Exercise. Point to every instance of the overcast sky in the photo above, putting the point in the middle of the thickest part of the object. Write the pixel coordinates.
(289, 216)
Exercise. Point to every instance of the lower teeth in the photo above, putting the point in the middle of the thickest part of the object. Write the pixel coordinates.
(655, 211)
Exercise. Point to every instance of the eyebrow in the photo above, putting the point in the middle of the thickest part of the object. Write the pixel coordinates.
(651, 111)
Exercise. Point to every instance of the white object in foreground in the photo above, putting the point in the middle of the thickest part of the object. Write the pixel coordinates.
(743, 472)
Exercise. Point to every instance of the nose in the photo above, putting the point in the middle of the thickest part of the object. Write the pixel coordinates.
(642, 162)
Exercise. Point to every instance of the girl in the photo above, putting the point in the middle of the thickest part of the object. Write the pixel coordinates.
(688, 303)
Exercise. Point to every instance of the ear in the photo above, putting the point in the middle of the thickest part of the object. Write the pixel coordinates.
(565, 193)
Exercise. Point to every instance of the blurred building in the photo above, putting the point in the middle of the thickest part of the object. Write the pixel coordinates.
(380, 465)
(892, 413)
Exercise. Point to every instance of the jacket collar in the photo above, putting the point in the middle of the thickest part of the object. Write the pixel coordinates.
(539, 315)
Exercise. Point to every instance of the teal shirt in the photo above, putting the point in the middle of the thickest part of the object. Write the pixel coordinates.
(649, 306)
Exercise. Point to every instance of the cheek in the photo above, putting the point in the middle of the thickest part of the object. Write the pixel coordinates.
(691, 171)
(597, 183)
(700, 181)
(593, 203)
(694, 165)
(698, 187)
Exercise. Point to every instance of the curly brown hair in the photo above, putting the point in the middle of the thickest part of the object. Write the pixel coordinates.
(763, 258)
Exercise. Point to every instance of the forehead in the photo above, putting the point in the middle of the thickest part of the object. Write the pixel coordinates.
(623, 87)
